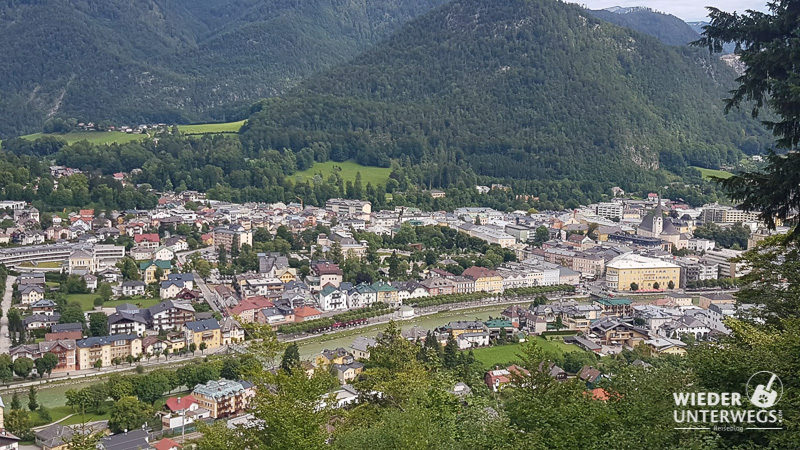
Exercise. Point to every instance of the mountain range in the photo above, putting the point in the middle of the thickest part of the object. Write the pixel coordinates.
(519, 89)
(174, 60)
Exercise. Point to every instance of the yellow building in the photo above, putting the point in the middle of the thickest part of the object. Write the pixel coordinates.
(328, 357)
(486, 280)
(460, 327)
(386, 293)
(624, 270)
(287, 275)
(149, 269)
(205, 331)
(106, 349)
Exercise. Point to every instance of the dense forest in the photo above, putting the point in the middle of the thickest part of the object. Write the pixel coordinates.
(226, 170)
(667, 28)
(173, 60)
(517, 89)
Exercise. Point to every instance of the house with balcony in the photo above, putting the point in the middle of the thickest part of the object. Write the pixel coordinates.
(205, 331)
(170, 314)
(106, 349)
(223, 398)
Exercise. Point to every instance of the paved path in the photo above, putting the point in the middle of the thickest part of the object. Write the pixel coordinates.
(5, 343)
(209, 295)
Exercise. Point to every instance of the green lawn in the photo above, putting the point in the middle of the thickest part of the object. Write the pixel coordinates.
(503, 354)
(57, 413)
(708, 173)
(374, 175)
(211, 128)
(95, 137)
(87, 301)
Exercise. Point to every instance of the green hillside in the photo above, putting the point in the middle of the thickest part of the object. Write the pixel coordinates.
(173, 60)
(516, 89)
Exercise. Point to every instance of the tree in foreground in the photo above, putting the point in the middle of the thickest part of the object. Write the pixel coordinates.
(767, 45)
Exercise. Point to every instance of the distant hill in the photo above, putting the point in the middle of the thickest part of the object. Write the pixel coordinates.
(514, 88)
(698, 28)
(667, 28)
(174, 60)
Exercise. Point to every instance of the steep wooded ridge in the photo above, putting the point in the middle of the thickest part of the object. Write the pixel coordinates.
(173, 60)
(516, 88)
(667, 28)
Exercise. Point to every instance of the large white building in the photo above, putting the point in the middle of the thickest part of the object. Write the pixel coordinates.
(727, 269)
(609, 210)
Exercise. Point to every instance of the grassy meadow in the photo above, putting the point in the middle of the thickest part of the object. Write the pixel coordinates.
(708, 173)
(374, 175)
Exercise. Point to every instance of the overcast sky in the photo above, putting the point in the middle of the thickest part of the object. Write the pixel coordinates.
(689, 10)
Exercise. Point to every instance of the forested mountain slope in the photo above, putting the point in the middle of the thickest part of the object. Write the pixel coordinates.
(667, 28)
(173, 60)
(515, 88)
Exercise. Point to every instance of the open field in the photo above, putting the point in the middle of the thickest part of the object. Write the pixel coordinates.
(374, 175)
(87, 301)
(503, 354)
(211, 128)
(94, 137)
(117, 137)
(708, 173)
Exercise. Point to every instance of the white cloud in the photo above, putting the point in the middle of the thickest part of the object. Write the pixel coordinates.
(689, 10)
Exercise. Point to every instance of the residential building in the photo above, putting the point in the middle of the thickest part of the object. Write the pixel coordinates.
(150, 268)
(226, 237)
(106, 349)
(232, 331)
(386, 293)
(347, 372)
(331, 298)
(205, 331)
(306, 313)
(360, 347)
(63, 349)
(486, 280)
(355, 209)
(715, 298)
(129, 440)
(497, 379)
(361, 295)
(613, 331)
(133, 288)
(440, 286)
(170, 314)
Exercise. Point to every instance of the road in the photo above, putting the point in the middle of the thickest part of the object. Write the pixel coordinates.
(209, 295)
(5, 343)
